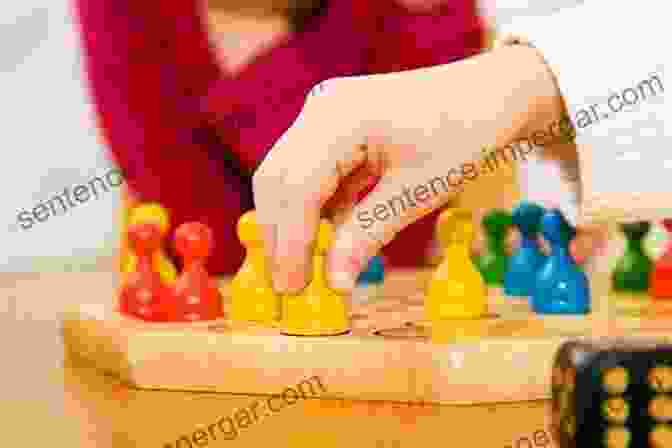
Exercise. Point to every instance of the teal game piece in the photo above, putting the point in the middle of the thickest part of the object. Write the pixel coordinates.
(493, 263)
(520, 277)
(561, 286)
(634, 267)
(370, 282)
(374, 273)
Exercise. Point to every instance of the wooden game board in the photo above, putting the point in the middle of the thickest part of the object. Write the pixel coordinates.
(391, 354)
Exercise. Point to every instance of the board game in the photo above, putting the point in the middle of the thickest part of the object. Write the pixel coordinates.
(392, 353)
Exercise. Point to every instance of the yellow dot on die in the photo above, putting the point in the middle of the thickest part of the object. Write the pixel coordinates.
(660, 378)
(660, 408)
(616, 410)
(617, 437)
(616, 380)
(661, 436)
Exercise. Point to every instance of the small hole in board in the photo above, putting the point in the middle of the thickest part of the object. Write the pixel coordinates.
(405, 332)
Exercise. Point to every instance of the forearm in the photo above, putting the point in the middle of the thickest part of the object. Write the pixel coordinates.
(514, 95)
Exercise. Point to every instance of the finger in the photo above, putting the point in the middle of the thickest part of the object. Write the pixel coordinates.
(267, 198)
(399, 199)
(307, 186)
(349, 192)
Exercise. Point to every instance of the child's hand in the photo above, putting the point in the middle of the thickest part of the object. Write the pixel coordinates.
(421, 132)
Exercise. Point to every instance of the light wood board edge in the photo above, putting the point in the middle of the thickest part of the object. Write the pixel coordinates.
(496, 369)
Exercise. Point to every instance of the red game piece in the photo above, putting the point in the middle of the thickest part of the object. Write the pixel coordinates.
(197, 295)
(661, 276)
(144, 295)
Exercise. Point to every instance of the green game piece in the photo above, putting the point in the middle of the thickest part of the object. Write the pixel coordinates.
(494, 262)
(633, 269)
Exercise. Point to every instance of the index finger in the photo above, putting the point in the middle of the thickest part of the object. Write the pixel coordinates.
(290, 205)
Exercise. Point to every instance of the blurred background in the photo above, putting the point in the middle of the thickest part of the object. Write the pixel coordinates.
(50, 140)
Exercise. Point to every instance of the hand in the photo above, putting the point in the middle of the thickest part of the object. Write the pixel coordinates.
(421, 132)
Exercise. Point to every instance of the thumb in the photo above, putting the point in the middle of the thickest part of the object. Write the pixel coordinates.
(394, 203)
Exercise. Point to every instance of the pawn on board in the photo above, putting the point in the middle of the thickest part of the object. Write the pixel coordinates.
(370, 281)
(144, 294)
(561, 287)
(661, 276)
(195, 293)
(494, 261)
(457, 289)
(520, 277)
(634, 268)
(148, 214)
(252, 296)
(317, 310)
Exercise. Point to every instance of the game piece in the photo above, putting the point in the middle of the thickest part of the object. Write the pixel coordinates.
(634, 268)
(196, 294)
(612, 393)
(494, 261)
(520, 277)
(374, 273)
(661, 277)
(144, 294)
(561, 286)
(252, 296)
(152, 213)
(456, 290)
(370, 281)
(317, 310)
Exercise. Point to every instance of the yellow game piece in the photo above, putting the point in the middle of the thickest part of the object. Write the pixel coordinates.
(147, 213)
(317, 310)
(457, 290)
(252, 295)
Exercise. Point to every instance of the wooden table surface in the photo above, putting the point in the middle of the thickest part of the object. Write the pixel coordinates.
(50, 400)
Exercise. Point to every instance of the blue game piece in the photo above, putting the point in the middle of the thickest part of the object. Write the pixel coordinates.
(561, 286)
(374, 273)
(520, 277)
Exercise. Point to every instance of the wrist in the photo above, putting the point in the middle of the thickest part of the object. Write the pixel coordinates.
(526, 83)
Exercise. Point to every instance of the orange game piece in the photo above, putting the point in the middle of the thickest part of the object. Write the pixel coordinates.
(144, 295)
(661, 276)
(196, 294)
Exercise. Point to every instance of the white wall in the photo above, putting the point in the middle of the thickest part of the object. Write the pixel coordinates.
(503, 11)
(48, 138)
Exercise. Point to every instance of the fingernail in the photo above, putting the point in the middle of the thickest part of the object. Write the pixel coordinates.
(290, 281)
(297, 280)
(291, 273)
(279, 282)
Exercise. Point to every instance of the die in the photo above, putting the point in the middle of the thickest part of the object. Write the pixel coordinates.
(613, 393)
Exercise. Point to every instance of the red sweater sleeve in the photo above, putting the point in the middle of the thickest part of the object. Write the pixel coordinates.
(404, 39)
(148, 66)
